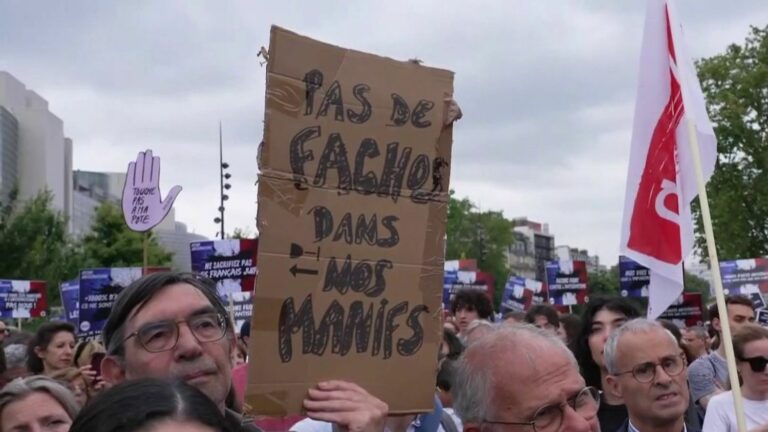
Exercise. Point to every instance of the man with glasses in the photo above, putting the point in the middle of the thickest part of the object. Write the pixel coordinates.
(174, 325)
(520, 378)
(647, 369)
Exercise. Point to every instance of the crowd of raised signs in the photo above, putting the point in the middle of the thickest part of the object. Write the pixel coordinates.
(170, 359)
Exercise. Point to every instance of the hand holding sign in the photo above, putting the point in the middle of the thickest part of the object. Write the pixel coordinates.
(143, 208)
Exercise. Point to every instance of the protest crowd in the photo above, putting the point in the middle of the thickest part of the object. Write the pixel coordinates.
(271, 334)
(169, 360)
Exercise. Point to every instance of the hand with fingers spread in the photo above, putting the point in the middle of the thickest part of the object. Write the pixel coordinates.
(143, 207)
(348, 405)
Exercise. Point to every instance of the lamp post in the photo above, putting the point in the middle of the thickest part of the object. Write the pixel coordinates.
(222, 186)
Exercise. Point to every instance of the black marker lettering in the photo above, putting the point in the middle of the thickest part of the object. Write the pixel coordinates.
(359, 91)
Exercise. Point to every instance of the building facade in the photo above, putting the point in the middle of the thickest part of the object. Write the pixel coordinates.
(538, 245)
(9, 154)
(44, 155)
(567, 253)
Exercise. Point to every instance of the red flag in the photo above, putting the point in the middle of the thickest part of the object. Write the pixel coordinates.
(658, 230)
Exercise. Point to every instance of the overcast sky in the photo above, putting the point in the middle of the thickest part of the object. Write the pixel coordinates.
(547, 88)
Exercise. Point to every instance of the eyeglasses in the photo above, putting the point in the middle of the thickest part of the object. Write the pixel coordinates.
(550, 418)
(164, 335)
(757, 364)
(646, 372)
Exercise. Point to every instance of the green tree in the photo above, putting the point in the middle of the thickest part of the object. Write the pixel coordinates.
(110, 243)
(241, 233)
(736, 87)
(694, 283)
(604, 282)
(484, 236)
(35, 244)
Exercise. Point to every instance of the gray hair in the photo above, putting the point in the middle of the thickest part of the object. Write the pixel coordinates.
(479, 326)
(473, 386)
(699, 331)
(23, 387)
(15, 356)
(637, 325)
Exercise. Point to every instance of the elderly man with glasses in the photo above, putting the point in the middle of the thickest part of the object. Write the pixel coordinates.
(174, 325)
(647, 369)
(520, 378)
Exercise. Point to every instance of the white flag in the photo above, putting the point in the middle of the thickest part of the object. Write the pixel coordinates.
(657, 229)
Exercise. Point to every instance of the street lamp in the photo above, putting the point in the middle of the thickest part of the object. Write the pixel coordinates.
(222, 196)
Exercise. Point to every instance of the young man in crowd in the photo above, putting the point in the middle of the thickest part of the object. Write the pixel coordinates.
(523, 378)
(708, 375)
(469, 305)
(173, 325)
(647, 369)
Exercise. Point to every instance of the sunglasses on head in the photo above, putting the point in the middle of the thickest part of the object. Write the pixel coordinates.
(757, 364)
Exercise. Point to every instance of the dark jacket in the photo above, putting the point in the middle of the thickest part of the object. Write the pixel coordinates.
(625, 428)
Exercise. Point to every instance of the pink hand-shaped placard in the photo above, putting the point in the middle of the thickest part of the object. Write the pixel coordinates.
(143, 207)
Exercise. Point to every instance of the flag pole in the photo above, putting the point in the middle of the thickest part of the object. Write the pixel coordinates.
(718, 281)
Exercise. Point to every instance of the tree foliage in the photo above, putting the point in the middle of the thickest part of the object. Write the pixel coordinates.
(484, 236)
(110, 243)
(35, 244)
(736, 88)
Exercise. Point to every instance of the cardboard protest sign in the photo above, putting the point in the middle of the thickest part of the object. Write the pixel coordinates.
(23, 299)
(70, 299)
(567, 282)
(747, 277)
(686, 311)
(231, 263)
(520, 293)
(98, 290)
(143, 207)
(241, 304)
(634, 278)
(355, 168)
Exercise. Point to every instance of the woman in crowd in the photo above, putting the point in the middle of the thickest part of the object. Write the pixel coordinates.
(76, 381)
(750, 344)
(52, 348)
(151, 405)
(36, 403)
(601, 317)
(240, 355)
(84, 352)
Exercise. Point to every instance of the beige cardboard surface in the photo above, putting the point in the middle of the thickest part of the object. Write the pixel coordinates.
(352, 207)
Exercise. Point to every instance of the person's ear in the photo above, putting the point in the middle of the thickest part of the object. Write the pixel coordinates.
(112, 369)
(716, 324)
(613, 385)
(39, 352)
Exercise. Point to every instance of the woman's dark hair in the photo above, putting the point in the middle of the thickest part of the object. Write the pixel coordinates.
(544, 310)
(135, 404)
(43, 337)
(473, 300)
(455, 347)
(589, 369)
(571, 323)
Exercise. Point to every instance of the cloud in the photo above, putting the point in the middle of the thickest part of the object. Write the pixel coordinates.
(547, 89)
